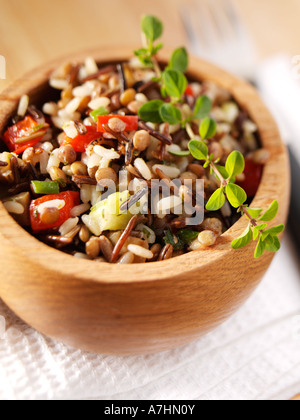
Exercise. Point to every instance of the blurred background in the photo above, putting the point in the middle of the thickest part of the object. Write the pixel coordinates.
(34, 31)
(256, 353)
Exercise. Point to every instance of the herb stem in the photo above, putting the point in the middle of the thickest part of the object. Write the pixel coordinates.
(189, 130)
(224, 182)
(156, 67)
(253, 222)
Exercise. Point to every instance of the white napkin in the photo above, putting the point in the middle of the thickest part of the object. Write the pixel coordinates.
(254, 355)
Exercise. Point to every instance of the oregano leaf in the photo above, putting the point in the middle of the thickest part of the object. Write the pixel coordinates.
(152, 28)
(208, 128)
(255, 213)
(216, 201)
(198, 149)
(274, 231)
(169, 113)
(236, 195)
(175, 83)
(244, 239)
(150, 112)
(235, 164)
(260, 248)
(257, 229)
(179, 60)
(271, 213)
(202, 108)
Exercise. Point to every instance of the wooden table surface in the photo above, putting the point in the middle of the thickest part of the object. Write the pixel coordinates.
(34, 31)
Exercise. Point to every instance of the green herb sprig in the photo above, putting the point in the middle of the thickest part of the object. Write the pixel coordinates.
(173, 84)
(267, 238)
(152, 29)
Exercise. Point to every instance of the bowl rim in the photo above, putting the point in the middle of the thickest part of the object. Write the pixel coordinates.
(57, 261)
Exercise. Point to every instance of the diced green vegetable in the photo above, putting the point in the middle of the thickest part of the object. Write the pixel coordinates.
(106, 215)
(45, 187)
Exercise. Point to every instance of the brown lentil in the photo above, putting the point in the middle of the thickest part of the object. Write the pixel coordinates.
(106, 247)
(196, 169)
(49, 215)
(117, 125)
(79, 168)
(57, 174)
(66, 154)
(106, 174)
(207, 238)
(141, 140)
(84, 234)
(188, 176)
(134, 106)
(127, 97)
(92, 247)
(213, 224)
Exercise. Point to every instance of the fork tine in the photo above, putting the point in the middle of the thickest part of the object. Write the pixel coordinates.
(222, 16)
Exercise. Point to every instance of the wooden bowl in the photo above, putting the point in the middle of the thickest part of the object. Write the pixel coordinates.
(145, 308)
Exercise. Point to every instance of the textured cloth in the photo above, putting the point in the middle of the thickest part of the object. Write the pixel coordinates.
(254, 355)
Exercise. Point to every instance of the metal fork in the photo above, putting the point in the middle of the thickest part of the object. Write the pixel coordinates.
(216, 33)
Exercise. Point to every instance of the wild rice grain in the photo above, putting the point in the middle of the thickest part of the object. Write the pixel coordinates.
(166, 253)
(140, 252)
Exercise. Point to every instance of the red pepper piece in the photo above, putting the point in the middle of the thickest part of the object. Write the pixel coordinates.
(132, 122)
(71, 199)
(253, 174)
(23, 128)
(81, 141)
(189, 91)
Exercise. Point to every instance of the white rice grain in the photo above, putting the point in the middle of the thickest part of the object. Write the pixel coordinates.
(13, 207)
(86, 193)
(143, 169)
(73, 105)
(106, 153)
(70, 130)
(50, 108)
(170, 171)
(23, 105)
(59, 84)
(53, 160)
(99, 102)
(168, 203)
(84, 90)
(69, 225)
(90, 66)
(140, 251)
(79, 210)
